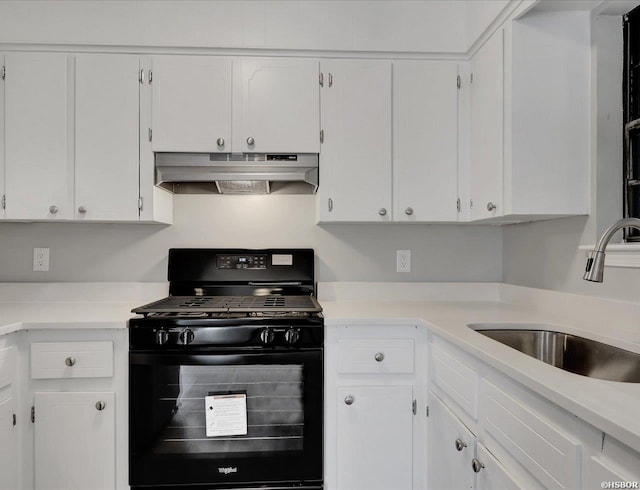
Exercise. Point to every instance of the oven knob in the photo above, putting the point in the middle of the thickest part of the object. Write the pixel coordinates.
(267, 336)
(162, 336)
(186, 336)
(291, 336)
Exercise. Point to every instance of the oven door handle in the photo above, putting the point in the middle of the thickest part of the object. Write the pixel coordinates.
(276, 283)
(199, 358)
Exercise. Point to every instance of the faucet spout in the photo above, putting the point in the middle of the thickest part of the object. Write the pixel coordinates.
(595, 263)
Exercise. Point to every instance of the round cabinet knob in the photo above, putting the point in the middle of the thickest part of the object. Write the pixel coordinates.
(460, 444)
(382, 212)
(476, 465)
(53, 209)
(348, 400)
(291, 336)
(82, 209)
(250, 141)
(408, 211)
(187, 336)
(220, 141)
(162, 336)
(379, 357)
(491, 206)
(267, 336)
(100, 406)
(70, 361)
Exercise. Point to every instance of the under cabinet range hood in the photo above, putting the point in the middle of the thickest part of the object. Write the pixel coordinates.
(237, 173)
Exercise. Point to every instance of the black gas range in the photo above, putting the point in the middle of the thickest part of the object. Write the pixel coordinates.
(226, 374)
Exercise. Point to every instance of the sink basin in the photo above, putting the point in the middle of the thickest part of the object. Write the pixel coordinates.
(571, 353)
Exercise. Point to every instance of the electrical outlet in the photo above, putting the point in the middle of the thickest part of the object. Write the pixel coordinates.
(40, 259)
(403, 260)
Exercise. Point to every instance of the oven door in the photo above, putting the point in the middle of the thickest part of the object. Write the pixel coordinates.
(167, 420)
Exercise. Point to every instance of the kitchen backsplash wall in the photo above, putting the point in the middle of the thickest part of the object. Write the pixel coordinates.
(118, 252)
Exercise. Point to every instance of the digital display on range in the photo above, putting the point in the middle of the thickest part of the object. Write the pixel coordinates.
(241, 261)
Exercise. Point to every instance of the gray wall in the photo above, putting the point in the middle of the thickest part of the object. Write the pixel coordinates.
(118, 252)
(545, 254)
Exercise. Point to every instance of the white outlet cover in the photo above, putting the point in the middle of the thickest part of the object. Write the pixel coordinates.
(403, 260)
(41, 259)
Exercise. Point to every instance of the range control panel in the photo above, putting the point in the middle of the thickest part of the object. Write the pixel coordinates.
(241, 261)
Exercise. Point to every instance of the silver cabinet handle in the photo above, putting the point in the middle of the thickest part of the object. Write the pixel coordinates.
(100, 405)
(476, 465)
(220, 141)
(250, 141)
(382, 212)
(330, 79)
(491, 206)
(408, 211)
(53, 209)
(82, 209)
(70, 361)
(379, 357)
(348, 400)
(460, 444)
(330, 204)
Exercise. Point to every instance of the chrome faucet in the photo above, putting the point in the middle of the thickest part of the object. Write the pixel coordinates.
(595, 263)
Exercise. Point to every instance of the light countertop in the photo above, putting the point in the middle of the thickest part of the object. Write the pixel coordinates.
(610, 406)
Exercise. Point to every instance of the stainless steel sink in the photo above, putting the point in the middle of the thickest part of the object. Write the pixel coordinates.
(571, 353)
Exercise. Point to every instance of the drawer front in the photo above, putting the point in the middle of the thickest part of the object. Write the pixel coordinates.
(549, 454)
(379, 356)
(71, 360)
(455, 378)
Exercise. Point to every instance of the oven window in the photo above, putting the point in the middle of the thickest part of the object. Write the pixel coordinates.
(275, 411)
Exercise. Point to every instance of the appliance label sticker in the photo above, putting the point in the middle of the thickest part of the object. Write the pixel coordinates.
(282, 259)
(226, 414)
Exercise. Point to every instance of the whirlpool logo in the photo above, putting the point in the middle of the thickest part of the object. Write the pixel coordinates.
(228, 470)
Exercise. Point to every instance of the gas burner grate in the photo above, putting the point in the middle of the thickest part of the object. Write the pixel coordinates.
(231, 304)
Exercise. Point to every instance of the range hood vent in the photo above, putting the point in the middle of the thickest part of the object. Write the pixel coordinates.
(237, 173)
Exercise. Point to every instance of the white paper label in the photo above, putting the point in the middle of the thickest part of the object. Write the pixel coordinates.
(226, 415)
(282, 259)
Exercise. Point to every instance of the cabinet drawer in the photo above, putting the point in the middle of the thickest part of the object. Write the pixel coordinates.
(455, 378)
(71, 360)
(549, 454)
(379, 356)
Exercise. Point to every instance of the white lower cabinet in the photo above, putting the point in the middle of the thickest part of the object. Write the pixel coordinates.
(9, 443)
(374, 439)
(74, 441)
(456, 460)
(375, 402)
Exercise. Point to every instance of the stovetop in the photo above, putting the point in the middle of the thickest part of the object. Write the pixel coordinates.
(297, 306)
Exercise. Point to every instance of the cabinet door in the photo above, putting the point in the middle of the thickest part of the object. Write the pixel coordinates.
(191, 104)
(355, 162)
(2, 189)
(451, 449)
(425, 141)
(492, 475)
(280, 106)
(107, 143)
(36, 131)
(375, 438)
(74, 441)
(599, 469)
(9, 447)
(487, 126)
(8, 442)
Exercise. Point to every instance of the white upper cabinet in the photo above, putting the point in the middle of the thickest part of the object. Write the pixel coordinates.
(355, 162)
(191, 104)
(211, 104)
(530, 119)
(2, 189)
(280, 106)
(106, 137)
(425, 141)
(487, 128)
(37, 148)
